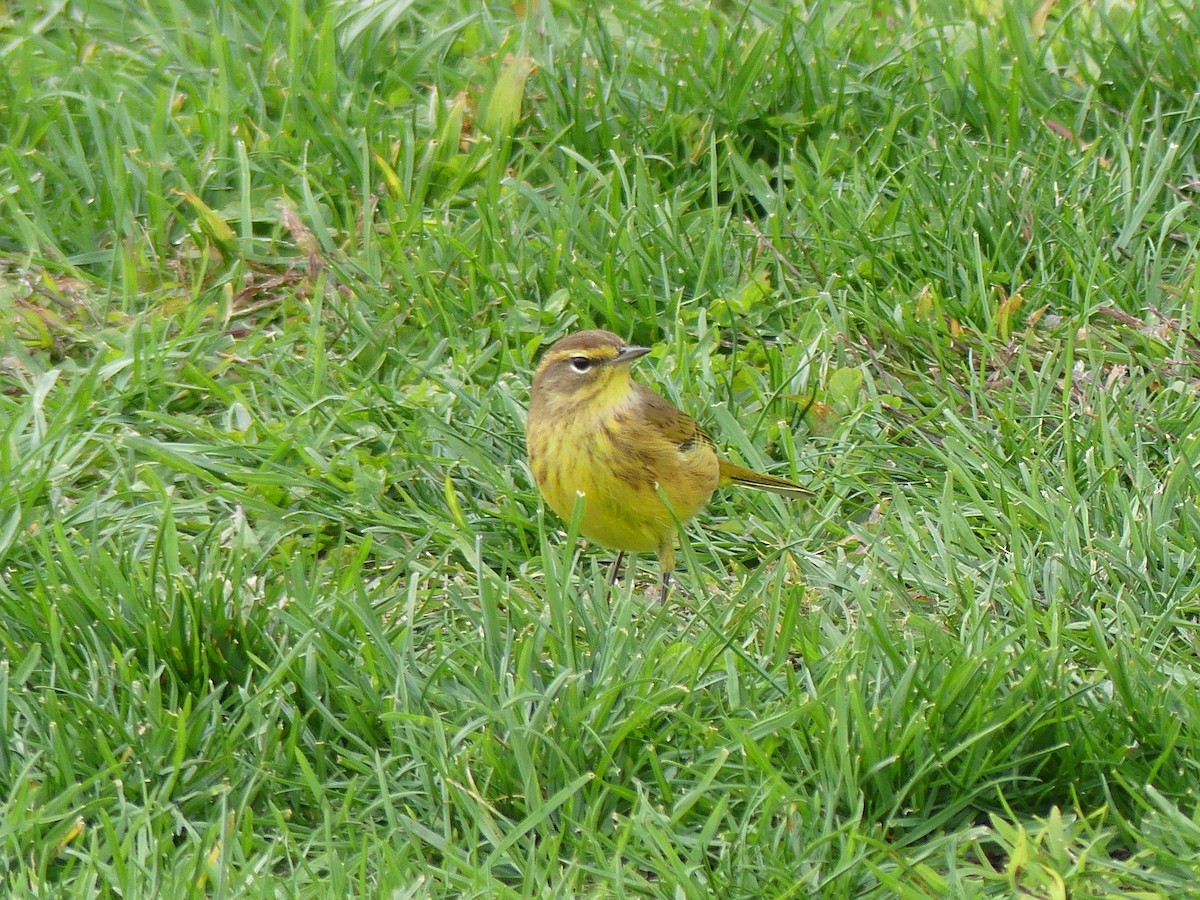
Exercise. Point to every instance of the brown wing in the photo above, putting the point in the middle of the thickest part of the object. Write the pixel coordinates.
(681, 430)
(676, 427)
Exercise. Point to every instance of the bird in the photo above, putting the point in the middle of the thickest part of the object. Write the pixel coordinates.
(594, 431)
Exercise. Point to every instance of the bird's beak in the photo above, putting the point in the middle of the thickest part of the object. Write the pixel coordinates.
(629, 354)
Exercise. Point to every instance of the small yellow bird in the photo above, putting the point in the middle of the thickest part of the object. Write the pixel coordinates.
(594, 431)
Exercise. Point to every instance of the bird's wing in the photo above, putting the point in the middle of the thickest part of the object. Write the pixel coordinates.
(675, 427)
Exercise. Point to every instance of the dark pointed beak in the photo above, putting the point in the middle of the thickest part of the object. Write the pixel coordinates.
(629, 354)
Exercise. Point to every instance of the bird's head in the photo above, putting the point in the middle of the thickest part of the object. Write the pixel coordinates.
(585, 366)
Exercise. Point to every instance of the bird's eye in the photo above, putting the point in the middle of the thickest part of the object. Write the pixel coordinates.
(580, 363)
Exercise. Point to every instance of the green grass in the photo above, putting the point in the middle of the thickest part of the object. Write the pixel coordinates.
(281, 613)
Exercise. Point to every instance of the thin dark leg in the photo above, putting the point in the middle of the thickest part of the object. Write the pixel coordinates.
(666, 586)
(616, 567)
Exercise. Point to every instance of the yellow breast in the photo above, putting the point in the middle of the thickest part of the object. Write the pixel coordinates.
(614, 458)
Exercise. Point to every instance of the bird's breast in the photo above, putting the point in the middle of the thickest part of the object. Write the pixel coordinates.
(619, 461)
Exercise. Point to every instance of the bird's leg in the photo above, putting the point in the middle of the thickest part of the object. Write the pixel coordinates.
(666, 564)
(616, 568)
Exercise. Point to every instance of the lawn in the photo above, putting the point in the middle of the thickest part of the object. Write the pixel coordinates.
(281, 611)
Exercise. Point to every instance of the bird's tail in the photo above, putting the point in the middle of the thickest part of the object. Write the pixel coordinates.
(734, 474)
